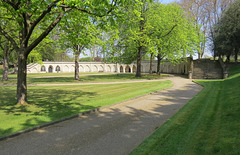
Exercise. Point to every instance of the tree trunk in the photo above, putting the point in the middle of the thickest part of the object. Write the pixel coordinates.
(77, 54)
(21, 78)
(151, 64)
(236, 53)
(158, 64)
(5, 62)
(228, 58)
(139, 58)
(236, 58)
(199, 55)
(77, 66)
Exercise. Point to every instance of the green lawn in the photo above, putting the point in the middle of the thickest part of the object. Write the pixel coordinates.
(49, 103)
(208, 124)
(100, 77)
(33, 75)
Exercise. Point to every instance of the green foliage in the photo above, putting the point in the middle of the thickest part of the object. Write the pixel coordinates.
(132, 33)
(208, 124)
(77, 31)
(45, 50)
(86, 59)
(31, 16)
(50, 103)
(227, 32)
(67, 78)
(159, 29)
(173, 35)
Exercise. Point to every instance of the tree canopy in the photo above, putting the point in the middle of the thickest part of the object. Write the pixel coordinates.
(156, 29)
(227, 32)
(31, 15)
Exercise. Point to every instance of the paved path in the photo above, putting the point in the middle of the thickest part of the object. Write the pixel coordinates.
(116, 129)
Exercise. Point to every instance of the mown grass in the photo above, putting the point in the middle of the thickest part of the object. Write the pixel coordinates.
(64, 78)
(208, 124)
(34, 75)
(49, 103)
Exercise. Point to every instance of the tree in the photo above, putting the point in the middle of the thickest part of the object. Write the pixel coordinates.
(45, 50)
(173, 35)
(198, 10)
(215, 8)
(227, 32)
(78, 32)
(4, 45)
(133, 39)
(29, 15)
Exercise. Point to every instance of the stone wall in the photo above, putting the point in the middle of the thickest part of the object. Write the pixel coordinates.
(202, 69)
(207, 69)
(65, 67)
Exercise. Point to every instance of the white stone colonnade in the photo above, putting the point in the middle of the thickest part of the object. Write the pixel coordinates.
(65, 67)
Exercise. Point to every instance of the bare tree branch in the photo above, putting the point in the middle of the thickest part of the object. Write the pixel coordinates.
(15, 6)
(8, 37)
(168, 32)
(34, 23)
(89, 12)
(45, 33)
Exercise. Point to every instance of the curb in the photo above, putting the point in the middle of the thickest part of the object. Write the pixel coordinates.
(50, 123)
(93, 111)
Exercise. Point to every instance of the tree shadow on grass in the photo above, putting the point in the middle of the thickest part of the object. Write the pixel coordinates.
(44, 105)
(94, 78)
(51, 80)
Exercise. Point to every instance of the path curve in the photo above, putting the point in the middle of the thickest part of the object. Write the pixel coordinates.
(116, 129)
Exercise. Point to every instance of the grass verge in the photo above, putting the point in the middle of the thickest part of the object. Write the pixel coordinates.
(50, 103)
(99, 77)
(208, 124)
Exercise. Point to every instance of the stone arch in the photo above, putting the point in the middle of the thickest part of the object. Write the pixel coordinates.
(134, 69)
(127, 69)
(34, 70)
(66, 68)
(109, 68)
(50, 69)
(94, 68)
(87, 69)
(121, 69)
(101, 69)
(43, 68)
(114, 68)
(169, 69)
(81, 68)
(72, 69)
(58, 69)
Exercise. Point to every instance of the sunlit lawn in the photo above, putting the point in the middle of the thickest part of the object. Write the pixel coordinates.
(208, 124)
(49, 103)
(69, 78)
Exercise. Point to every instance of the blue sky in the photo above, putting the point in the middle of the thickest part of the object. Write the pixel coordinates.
(167, 1)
